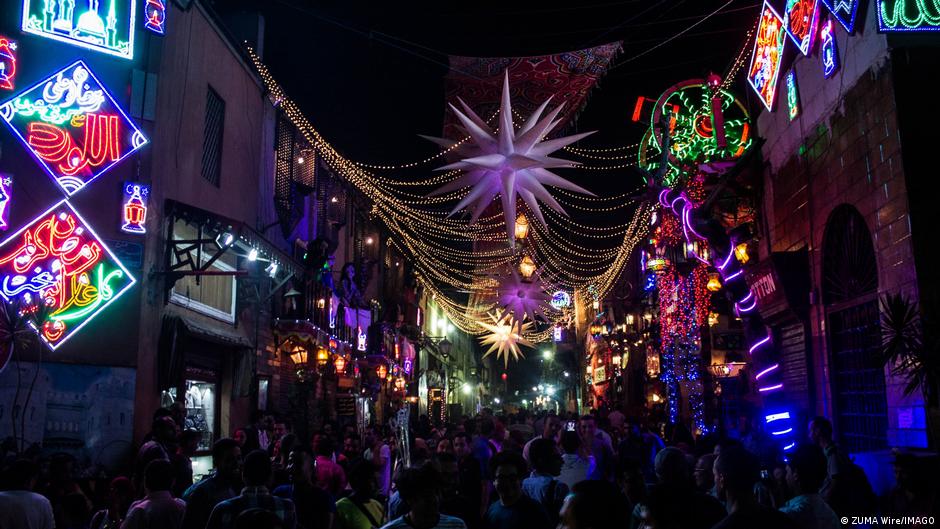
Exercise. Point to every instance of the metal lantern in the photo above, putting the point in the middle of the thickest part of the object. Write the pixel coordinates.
(597, 328)
(740, 252)
(714, 282)
(526, 267)
(299, 355)
(522, 227)
(323, 356)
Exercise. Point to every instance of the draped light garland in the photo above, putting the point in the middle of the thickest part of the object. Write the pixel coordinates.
(452, 255)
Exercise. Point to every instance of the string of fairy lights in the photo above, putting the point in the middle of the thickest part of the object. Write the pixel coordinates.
(450, 255)
(457, 261)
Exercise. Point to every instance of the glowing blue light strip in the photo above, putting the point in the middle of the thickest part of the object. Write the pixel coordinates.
(734, 275)
(782, 432)
(777, 417)
(844, 11)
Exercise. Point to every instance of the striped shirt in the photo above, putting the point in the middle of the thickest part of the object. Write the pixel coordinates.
(445, 522)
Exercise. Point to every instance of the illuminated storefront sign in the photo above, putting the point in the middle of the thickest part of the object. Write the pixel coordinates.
(134, 207)
(59, 261)
(106, 26)
(768, 52)
(7, 63)
(800, 19)
(72, 126)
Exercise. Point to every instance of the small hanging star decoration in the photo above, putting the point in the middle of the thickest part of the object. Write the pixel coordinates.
(505, 337)
(525, 298)
(508, 163)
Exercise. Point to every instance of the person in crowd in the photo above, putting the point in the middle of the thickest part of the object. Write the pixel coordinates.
(445, 446)
(256, 474)
(74, 512)
(806, 470)
(315, 507)
(182, 461)
(674, 487)
(329, 475)
(121, 494)
(542, 485)
(255, 432)
(159, 509)
(594, 505)
(161, 445)
(846, 488)
(617, 419)
(596, 444)
(453, 501)
(218, 486)
(513, 509)
(631, 482)
(703, 474)
(360, 510)
(258, 519)
(352, 452)
(574, 466)
(420, 487)
(736, 471)
(379, 452)
(20, 507)
(240, 436)
(914, 492)
(551, 425)
(472, 484)
(484, 447)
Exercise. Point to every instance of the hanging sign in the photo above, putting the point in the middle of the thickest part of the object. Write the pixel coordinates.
(768, 53)
(908, 15)
(155, 16)
(7, 63)
(800, 19)
(134, 207)
(844, 11)
(829, 51)
(105, 26)
(561, 300)
(6, 194)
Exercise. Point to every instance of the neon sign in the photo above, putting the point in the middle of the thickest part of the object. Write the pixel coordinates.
(768, 52)
(155, 16)
(6, 194)
(360, 339)
(908, 15)
(844, 11)
(830, 53)
(7, 63)
(134, 207)
(72, 126)
(59, 261)
(106, 29)
(793, 96)
(800, 19)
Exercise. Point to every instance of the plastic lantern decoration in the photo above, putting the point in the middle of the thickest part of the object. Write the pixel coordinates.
(740, 253)
(714, 282)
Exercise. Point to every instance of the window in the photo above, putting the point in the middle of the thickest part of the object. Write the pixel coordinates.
(212, 138)
(212, 295)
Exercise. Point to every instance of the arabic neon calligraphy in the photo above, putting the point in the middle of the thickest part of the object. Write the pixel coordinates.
(768, 53)
(58, 261)
(72, 126)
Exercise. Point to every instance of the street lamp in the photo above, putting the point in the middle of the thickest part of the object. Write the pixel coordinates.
(444, 347)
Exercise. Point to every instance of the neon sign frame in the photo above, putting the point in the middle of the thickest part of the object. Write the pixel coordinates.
(87, 30)
(155, 16)
(6, 197)
(800, 19)
(7, 57)
(900, 20)
(764, 70)
(829, 50)
(86, 106)
(62, 248)
(844, 11)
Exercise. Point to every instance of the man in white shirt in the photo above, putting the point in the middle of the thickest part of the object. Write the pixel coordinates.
(158, 509)
(21, 508)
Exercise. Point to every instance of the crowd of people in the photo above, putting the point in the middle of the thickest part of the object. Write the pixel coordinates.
(491, 471)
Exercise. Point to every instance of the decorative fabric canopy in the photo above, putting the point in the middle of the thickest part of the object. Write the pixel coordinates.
(567, 77)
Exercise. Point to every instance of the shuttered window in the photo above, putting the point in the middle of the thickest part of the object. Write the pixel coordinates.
(212, 138)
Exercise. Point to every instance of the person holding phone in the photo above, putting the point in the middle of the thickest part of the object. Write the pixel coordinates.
(574, 467)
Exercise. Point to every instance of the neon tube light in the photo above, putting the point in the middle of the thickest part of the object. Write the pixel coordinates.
(800, 20)
(734, 275)
(7, 63)
(6, 195)
(829, 50)
(789, 446)
(782, 432)
(766, 389)
(155, 16)
(777, 417)
(844, 11)
(72, 126)
(767, 56)
(908, 15)
(765, 371)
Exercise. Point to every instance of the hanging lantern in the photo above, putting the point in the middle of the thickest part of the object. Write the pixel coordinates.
(740, 252)
(522, 227)
(299, 355)
(526, 267)
(340, 364)
(381, 371)
(323, 356)
(596, 304)
(630, 319)
(504, 376)
(597, 328)
(657, 264)
(714, 282)
(617, 361)
(713, 319)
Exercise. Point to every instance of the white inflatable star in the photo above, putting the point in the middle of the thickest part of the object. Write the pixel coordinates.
(511, 163)
(505, 337)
